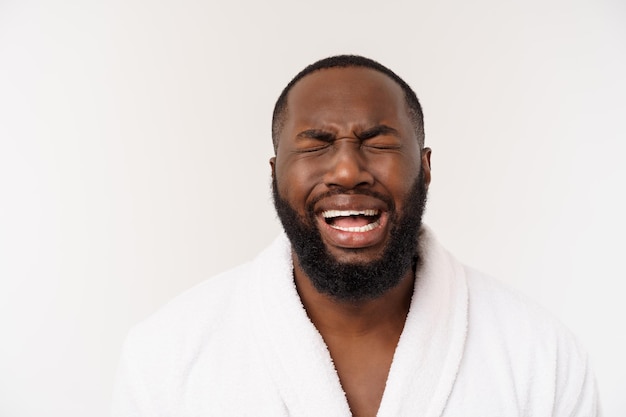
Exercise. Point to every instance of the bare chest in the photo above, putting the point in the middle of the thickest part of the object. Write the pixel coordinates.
(363, 369)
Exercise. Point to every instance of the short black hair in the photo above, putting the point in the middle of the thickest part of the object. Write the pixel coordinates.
(344, 61)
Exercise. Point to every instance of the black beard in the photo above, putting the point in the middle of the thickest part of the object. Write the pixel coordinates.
(354, 282)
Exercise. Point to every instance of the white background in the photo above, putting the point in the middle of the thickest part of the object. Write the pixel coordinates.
(134, 147)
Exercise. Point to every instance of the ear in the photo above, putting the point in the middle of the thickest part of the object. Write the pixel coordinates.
(273, 166)
(426, 165)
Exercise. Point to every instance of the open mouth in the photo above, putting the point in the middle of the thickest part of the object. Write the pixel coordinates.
(358, 221)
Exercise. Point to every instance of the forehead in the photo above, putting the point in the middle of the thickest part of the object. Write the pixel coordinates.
(334, 95)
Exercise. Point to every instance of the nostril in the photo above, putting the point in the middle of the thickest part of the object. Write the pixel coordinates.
(349, 176)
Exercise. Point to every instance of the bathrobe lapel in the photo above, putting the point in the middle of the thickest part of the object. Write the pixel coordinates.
(295, 353)
(429, 352)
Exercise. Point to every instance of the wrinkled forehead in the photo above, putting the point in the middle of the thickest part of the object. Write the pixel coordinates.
(339, 94)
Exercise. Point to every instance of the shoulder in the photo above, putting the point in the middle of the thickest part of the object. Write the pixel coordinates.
(528, 346)
(159, 351)
(204, 332)
(499, 308)
(213, 310)
(498, 311)
(186, 321)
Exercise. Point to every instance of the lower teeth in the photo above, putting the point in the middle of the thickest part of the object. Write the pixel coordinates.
(365, 228)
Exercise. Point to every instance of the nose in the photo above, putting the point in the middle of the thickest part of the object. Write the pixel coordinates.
(347, 167)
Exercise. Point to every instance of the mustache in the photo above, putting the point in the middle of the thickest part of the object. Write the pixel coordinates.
(344, 191)
(309, 208)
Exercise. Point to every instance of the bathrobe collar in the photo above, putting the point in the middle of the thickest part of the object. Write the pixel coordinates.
(425, 362)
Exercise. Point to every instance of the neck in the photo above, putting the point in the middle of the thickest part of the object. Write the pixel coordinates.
(355, 318)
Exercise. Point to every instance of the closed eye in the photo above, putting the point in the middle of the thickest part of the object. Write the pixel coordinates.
(382, 144)
(313, 140)
(380, 137)
(312, 147)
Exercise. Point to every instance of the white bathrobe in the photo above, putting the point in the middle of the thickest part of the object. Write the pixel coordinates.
(241, 344)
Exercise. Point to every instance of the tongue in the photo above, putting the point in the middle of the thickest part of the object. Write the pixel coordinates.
(352, 221)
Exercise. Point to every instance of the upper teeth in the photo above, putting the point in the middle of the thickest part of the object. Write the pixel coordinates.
(328, 214)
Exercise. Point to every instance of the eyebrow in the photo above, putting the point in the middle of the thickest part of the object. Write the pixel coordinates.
(326, 136)
(318, 134)
(377, 130)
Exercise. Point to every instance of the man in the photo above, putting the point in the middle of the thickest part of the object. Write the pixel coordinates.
(358, 310)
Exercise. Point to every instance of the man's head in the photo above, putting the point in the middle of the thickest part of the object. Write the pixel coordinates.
(350, 175)
(342, 61)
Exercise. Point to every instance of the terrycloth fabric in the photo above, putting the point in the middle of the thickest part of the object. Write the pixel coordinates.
(241, 344)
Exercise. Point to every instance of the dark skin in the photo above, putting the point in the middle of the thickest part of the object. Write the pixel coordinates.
(349, 128)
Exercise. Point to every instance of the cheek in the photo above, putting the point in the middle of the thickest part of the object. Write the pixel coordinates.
(295, 181)
(396, 174)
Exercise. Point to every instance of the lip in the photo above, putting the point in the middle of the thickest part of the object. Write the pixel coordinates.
(351, 239)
